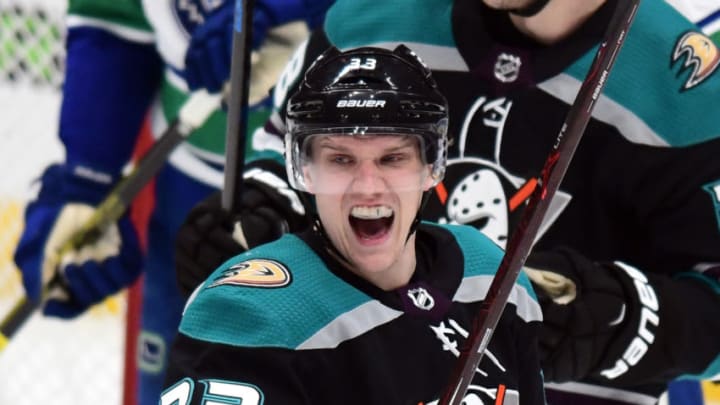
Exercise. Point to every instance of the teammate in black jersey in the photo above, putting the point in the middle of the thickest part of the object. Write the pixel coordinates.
(632, 238)
(370, 306)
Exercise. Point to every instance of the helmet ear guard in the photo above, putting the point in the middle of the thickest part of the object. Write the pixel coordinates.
(367, 91)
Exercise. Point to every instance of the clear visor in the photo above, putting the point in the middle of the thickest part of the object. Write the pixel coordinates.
(354, 163)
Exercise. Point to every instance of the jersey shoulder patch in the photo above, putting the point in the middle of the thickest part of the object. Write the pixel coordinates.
(277, 295)
(667, 58)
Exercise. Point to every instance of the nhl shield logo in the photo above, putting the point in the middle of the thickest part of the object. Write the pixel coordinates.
(421, 298)
(507, 67)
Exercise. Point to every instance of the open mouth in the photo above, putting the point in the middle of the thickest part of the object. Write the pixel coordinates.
(371, 222)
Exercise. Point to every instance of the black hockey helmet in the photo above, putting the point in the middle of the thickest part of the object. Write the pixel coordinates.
(367, 91)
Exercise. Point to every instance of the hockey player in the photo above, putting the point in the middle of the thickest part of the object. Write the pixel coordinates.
(706, 14)
(122, 56)
(370, 305)
(633, 234)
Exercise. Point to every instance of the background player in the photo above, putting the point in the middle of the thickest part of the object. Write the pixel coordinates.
(124, 58)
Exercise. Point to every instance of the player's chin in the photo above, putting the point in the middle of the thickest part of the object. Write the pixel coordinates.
(507, 4)
(372, 263)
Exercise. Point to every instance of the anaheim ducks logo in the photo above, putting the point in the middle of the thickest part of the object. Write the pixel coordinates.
(701, 56)
(255, 273)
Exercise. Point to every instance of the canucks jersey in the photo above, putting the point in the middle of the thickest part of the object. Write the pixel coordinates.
(285, 323)
(125, 57)
(644, 184)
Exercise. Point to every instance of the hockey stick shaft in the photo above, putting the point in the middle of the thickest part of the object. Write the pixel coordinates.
(236, 133)
(552, 173)
(192, 115)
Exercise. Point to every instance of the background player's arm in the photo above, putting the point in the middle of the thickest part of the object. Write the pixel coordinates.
(105, 99)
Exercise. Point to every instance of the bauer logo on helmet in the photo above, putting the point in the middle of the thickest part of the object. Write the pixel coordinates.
(364, 103)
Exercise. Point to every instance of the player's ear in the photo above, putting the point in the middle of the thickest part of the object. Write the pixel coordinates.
(427, 178)
(308, 180)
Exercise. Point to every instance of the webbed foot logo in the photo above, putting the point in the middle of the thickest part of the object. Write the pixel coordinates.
(702, 57)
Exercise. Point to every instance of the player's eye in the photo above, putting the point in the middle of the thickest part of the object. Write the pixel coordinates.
(398, 158)
(340, 159)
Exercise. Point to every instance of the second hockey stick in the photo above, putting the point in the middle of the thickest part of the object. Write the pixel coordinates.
(552, 174)
(192, 115)
(236, 133)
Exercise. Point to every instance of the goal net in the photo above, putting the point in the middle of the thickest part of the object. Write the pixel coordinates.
(48, 361)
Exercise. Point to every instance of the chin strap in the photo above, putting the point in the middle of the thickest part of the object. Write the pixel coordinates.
(329, 247)
(532, 9)
(417, 220)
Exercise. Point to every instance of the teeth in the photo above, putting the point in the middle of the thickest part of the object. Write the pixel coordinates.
(374, 212)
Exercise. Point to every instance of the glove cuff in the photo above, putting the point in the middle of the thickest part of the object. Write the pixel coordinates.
(63, 183)
(637, 334)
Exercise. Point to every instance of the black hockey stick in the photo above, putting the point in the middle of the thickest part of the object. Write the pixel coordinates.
(552, 173)
(236, 133)
(192, 115)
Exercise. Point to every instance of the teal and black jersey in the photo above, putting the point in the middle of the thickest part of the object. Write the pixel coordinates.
(285, 323)
(644, 185)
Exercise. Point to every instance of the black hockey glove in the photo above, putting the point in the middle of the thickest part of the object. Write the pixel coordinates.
(591, 316)
(211, 235)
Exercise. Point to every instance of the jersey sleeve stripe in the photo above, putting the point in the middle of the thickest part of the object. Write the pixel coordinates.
(124, 32)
